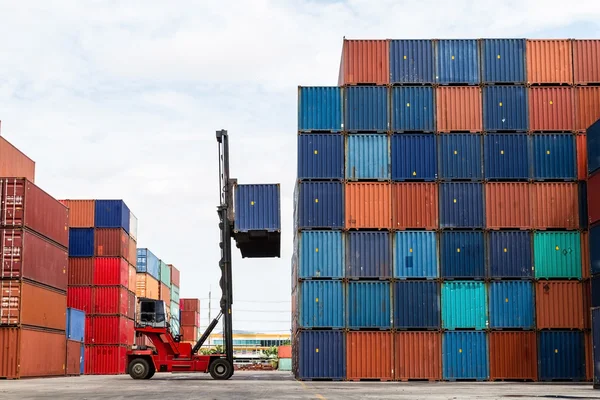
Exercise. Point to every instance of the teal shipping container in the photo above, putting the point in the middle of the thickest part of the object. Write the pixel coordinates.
(165, 273)
(464, 305)
(322, 304)
(321, 254)
(175, 293)
(415, 255)
(368, 157)
(320, 109)
(369, 304)
(557, 255)
(285, 364)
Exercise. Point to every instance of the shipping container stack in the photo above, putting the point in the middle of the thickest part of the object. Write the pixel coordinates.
(593, 249)
(174, 305)
(189, 316)
(102, 279)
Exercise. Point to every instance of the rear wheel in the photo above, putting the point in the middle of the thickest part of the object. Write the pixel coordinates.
(139, 368)
(151, 372)
(221, 369)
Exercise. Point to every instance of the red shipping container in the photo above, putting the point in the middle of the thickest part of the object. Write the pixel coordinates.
(549, 61)
(111, 271)
(110, 300)
(143, 341)
(586, 61)
(24, 303)
(81, 213)
(415, 206)
(418, 355)
(26, 255)
(73, 363)
(81, 271)
(114, 330)
(181, 304)
(175, 275)
(559, 305)
(111, 242)
(582, 165)
(365, 61)
(459, 109)
(189, 333)
(369, 355)
(513, 356)
(551, 109)
(80, 297)
(23, 204)
(190, 304)
(284, 351)
(555, 205)
(368, 205)
(190, 318)
(593, 193)
(587, 107)
(105, 360)
(507, 205)
(132, 253)
(14, 163)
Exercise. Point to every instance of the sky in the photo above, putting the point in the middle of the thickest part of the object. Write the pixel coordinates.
(121, 99)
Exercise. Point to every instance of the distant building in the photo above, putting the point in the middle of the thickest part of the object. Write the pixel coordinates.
(251, 344)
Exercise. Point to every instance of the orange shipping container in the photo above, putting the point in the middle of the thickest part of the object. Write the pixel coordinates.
(513, 356)
(586, 61)
(132, 286)
(132, 251)
(146, 286)
(81, 271)
(582, 156)
(554, 205)
(189, 333)
(551, 109)
(81, 213)
(585, 255)
(73, 357)
(368, 205)
(369, 355)
(459, 109)
(175, 275)
(31, 353)
(284, 352)
(418, 355)
(165, 294)
(507, 205)
(415, 205)
(365, 61)
(24, 303)
(587, 107)
(559, 305)
(13, 163)
(549, 61)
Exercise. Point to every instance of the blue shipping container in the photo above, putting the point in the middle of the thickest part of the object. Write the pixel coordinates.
(509, 254)
(257, 208)
(112, 214)
(415, 255)
(460, 156)
(322, 304)
(82, 359)
(505, 108)
(147, 262)
(369, 304)
(411, 61)
(322, 355)
(465, 356)
(553, 156)
(595, 289)
(594, 246)
(81, 242)
(368, 255)
(583, 205)
(457, 61)
(366, 109)
(462, 254)
(321, 254)
(461, 205)
(511, 304)
(320, 109)
(417, 305)
(320, 156)
(464, 305)
(593, 147)
(596, 345)
(503, 60)
(506, 156)
(367, 157)
(561, 355)
(321, 205)
(75, 324)
(413, 109)
(414, 157)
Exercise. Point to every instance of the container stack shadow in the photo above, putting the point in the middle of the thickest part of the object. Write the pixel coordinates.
(593, 251)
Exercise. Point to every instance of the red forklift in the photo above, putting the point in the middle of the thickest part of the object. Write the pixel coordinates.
(169, 353)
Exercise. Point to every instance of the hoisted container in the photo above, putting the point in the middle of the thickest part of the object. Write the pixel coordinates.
(555, 205)
(506, 156)
(418, 355)
(81, 242)
(551, 109)
(320, 109)
(593, 147)
(411, 61)
(415, 206)
(513, 356)
(413, 109)
(415, 255)
(81, 213)
(369, 304)
(322, 304)
(457, 62)
(586, 68)
(509, 254)
(365, 61)
(559, 305)
(505, 108)
(460, 157)
(321, 254)
(464, 305)
(587, 106)
(366, 109)
(414, 157)
(257, 208)
(503, 60)
(75, 324)
(369, 356)
(465, 356)
(553, 157)
(368, 205)
(367, 157)
(462, 254)
(507, 205)
(549, 61)
(511, 305)
(321, 355)
(458, 109)
(557, 255)
(112, 214)
(461, 205)
(416, 305)
(320, 205)
(561, 356)
(368, 255)
(320, 156)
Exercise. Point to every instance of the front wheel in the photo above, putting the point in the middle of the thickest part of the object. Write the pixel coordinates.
(221, 369)
(139, 368)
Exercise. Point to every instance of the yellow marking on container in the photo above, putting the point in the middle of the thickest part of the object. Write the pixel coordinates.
(500, 104)
(316, 200)
(252, 203)
(455, 152)
(501, 151)
(410, 250)
(317, 350)
(453, 57)
(317, 300)
(556, 351)
(405, 57)
(547, 151)
(414, 173)
(557, 248)
(316, 152)
(506, 300)
(505, 250)
(317, 250)
(498, 56)
(551, 102)
(460, 350)
(458, 250)
(407, 104)
(455, 200)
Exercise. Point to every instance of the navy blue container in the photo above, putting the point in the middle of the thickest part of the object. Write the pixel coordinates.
(321, 355)
(561, 355)
(465, 355)
(413, 109)
(593, 147)
(460, 156)
(583, 205)
(595, 282)
(462, 254)
(411, 61)
(320, 109)
(75, 324)
(596, 345)
(503, 60)
(511, 304)
(510, 254)
(320, 205)
(594, 246)
(368, 304)
(368, 255)
(414, 157)
(506, 156)
(257, 208)
(457, 61)
(112, 214)
(554, 156)
(366, 109)
(81, 242)
(461, 205)
(505, 108)
(417, 305)
(320, 156)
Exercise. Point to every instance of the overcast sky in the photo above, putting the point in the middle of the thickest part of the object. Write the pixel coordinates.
(121, 99)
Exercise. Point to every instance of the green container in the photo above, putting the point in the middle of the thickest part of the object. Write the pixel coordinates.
(557, 255)
(285, 364)
(464, 305)
(174, 293)
(165, 273)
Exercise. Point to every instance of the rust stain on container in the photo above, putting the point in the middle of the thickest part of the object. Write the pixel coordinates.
(586, 61)
(369, 355)
(459, 109)
(513, 355)
(587, 107)
(81, 213)
(418, 355)
(585, 255)
(24, 303)
(147, 286)
(111, 242)
(582, 165)
(507, 205)
(551, 109)
(73, 358)
(555, 205)
(559, 305)
(549, 61)
(81, 270)
(365, 61)
(415, 205)
(14, 163)
(368, 205)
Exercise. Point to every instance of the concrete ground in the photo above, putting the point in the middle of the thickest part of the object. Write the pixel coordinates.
(246, 385)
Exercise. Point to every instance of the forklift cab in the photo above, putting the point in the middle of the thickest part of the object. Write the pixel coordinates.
(152, 313)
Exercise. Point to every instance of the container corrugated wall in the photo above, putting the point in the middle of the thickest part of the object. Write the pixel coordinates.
(586, 68)
(561, 356)
(368, 255)
(559, 305)
(418, 355)
(369, 355)
(509, 255)
(415, 255)
(555, 205)
(511, 304)
(593, 147)
(415, 205)
(411, 61)
(320, 156)
(367, 157)
(112, 214)
(414, 157)
(81, 242)
(321, 205)
(507, 205)
(506, 156)
(321, 254)
(457, 61)
(503, 60)
(366, 109)
(596, 343)
(257, 208)
(322, 304)
(413, 109)
(587, 106)
(581, 150)
(417, 305)
(458, 109)
(557, 255)
(461, 205)
(553, 157)
(505, 108)
(593, 197)
(464, 305)
(549, 61)
(368, 205)
(321, 355)
(460, 157)
(81, 213)
(551, 109)
(365, 61)
(320, 109)
(462, 254)
(148, 262)
(513, 355)
(369, 304)
(465, 356)
(595, 250)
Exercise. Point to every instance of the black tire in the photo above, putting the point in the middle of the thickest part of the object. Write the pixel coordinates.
(151, 373)
(139, 368)
(220, 369)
